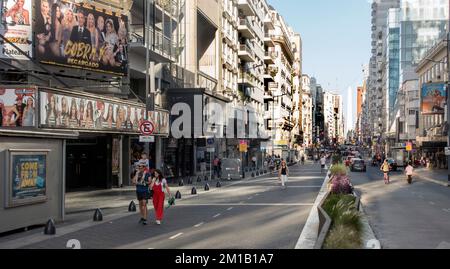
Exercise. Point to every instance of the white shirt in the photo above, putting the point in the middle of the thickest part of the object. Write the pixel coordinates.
(323, 161)
(409, 170)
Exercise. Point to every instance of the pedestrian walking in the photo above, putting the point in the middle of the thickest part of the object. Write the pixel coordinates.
(303, 159)
(142, 182)
(159, 186)
(385, 169)
(216, 166)
(283, 174)
(409, 171)
(323, 162)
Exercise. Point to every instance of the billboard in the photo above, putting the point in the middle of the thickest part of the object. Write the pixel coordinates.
(17, 107)
(434, 98)
(81, 36)
(64, 111)
(15, 26)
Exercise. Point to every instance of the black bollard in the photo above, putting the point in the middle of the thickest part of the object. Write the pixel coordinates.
(253, 174)
(181, 183)
(178, 195)
(194, 191)
(50, 228)
(206, 187)
(98, 216)
(218, 185)
(132, 207)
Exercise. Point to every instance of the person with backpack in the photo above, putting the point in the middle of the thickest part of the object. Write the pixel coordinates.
(385, 169)
(159, 186)
(142, 182)
(409, 171)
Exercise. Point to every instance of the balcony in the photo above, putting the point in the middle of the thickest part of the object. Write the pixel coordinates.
(268, 40)
(268, 96)
(246, 29)
(246, 53)
(270, 57)
(247, 80)
(268, 23)
(161, 47)
(246, 7)
(273, 86)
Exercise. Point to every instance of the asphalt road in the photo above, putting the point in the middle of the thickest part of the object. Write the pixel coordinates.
(251, 214)
(405, 216)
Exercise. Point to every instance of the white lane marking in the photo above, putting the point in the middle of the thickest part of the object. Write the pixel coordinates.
(150, 248)
(249, 198)
(175, 236)
(198, 225)
(252, 204)
(216, 216)
(432, 203)
(446, 210)
(229, 208)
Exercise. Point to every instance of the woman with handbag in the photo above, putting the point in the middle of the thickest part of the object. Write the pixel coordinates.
(159, 186)
(142, 182)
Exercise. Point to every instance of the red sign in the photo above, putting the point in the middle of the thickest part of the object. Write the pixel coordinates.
(147, 128)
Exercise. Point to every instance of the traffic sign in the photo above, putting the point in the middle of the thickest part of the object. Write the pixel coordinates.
(409, 146)
(210, 141)
(211, 150)
(243, 147)
(146, 139)
(147, 128)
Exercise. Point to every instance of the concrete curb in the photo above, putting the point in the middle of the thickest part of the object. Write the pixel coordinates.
(370, 241)
(310, 232)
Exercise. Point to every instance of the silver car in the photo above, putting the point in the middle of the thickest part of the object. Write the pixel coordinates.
(231, 169)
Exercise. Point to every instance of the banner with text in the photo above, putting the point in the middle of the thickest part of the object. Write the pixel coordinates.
(81, 36)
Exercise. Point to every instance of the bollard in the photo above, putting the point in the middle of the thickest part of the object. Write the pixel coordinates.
(194, 191)
(206, 187)
(178, 195)
(181, 183)
(132, 207)
(218, 185)
(253, 174)
(50, 228)
(98, 216)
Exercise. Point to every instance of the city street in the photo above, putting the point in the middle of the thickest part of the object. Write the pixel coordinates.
(252, 214)
(405, 216)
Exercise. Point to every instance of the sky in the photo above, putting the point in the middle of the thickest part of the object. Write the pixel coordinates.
(336, 42)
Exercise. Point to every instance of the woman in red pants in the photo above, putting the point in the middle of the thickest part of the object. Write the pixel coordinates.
(159, 185)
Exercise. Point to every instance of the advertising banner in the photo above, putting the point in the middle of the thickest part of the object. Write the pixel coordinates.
(17, 107)
(81, 36)
(434, 98)
(64, 111)
(27, 177)
(15, 26)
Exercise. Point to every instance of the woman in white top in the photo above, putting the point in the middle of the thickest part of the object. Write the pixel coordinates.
(159, 186)
(111, 40)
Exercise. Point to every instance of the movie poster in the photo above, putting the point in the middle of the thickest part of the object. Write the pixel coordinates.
(81, 36)
(116, 156)
(15, 26)
(434, 98)
(17, 107)
(28, 177)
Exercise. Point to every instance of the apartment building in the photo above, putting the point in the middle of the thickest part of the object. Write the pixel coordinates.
(307, 111)
(334, 119)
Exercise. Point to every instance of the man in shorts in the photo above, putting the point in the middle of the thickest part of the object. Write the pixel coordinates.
(142, 180)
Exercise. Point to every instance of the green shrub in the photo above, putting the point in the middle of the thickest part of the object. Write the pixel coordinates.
(338, 169)
(343, 237)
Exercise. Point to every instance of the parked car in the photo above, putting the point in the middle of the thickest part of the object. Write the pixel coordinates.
(358, 165)
(231, 169)
(392, 164)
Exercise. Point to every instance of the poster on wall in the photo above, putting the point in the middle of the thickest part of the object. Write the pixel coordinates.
(81, 36)
(27, 177)
(15, 26)
(17, 107)
(116, 156)
(434, 99)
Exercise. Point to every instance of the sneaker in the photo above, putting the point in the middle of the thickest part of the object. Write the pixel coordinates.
(141, 221)
(158, 222)
(144, 222)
